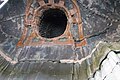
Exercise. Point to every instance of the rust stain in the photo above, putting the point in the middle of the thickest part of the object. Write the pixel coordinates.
(32, 20)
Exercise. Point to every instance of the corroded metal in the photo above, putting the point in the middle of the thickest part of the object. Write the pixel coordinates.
(31, 22)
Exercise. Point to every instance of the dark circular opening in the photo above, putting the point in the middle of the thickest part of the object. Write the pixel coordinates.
(53, 23)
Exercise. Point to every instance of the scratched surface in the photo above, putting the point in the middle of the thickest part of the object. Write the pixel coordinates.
(101, 22)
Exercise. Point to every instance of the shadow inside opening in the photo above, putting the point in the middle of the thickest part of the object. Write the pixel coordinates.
(53, 23)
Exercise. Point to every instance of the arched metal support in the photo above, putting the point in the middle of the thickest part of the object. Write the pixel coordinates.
(32, 20)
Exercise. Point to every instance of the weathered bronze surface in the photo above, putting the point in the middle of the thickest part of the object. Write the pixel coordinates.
(26, 55)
